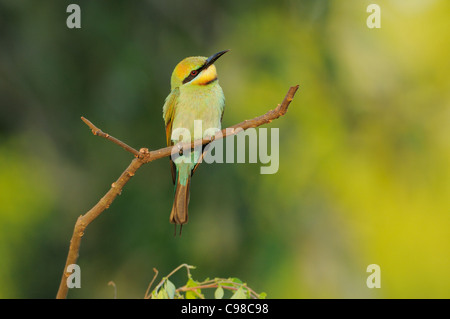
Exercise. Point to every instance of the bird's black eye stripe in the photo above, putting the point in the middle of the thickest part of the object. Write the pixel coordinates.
(193, 74)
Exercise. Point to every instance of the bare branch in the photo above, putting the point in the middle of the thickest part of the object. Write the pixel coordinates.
(143, 156)
(96, 131)
(84, 220)
(271, 115)
(147, 292)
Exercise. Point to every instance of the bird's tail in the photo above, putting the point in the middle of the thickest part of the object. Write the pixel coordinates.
(179, 214)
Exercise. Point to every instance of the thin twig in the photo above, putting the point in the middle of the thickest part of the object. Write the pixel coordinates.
(172, 272)
(147, 293)
(112, 283)
(143, 156)
(96, 131)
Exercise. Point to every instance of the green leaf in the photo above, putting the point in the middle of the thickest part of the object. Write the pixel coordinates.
(190, 295)
(191, 283)
(239, 294)
(262, 295)
(162, 294)
(193, 294)
(236, 280)
(218, 294)
(170, 289)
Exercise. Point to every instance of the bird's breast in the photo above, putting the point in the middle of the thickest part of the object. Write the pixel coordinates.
(203, 104)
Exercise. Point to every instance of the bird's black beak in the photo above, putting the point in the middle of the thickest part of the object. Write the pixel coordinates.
(213, 58)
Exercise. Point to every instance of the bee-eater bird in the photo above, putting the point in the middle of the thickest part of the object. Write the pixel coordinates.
(195, 95)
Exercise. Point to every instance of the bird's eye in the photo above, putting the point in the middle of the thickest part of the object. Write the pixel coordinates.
(194, 72)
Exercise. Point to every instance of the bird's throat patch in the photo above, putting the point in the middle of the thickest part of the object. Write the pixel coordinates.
(206, 77)
(209, 82)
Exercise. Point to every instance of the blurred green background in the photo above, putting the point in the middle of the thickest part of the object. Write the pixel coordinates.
(364, 172)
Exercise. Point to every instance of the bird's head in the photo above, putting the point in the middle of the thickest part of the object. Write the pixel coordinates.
(196, 70)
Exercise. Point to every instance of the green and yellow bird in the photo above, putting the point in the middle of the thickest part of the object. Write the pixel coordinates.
(195, 95)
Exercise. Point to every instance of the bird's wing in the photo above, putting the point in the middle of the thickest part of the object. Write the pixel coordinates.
(169, 112)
